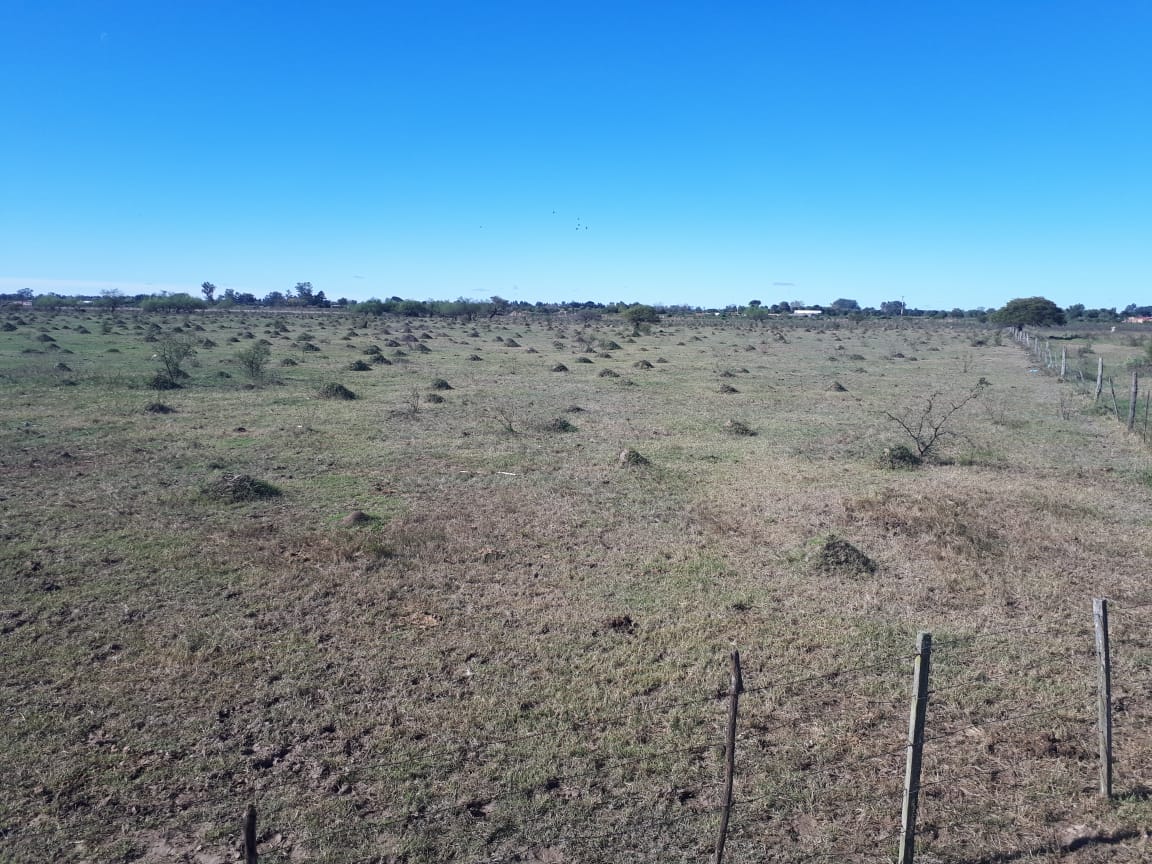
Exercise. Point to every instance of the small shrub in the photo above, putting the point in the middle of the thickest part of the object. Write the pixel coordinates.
(558, 424)
(608, 373)
(440, 384)
(631, 459)
(288, 361)
(559, 367)
(159, 408)
(434, 399)
(738, 427)
(336, 391)
(254, 358)
(161, 381)
(899, 456)
(359, 366)
(728, 388)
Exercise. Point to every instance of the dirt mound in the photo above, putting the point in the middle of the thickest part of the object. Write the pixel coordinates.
(834, 555)
(336, 391)
(356, 517)
(234, 488)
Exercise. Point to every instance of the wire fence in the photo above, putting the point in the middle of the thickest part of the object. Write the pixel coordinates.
(1010, 750)
(1091, 377)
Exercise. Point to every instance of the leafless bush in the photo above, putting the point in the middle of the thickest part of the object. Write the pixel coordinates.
(928, 425)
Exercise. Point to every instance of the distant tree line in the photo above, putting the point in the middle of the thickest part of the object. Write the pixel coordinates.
(1031, 311)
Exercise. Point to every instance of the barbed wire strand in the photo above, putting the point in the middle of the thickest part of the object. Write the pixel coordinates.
(977, 724)
(987, 678)
(965, 640)
(836, 673)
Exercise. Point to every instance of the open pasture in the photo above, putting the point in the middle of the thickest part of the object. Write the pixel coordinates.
(446, 621)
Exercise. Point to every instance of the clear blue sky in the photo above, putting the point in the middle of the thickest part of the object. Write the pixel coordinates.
(950, 153)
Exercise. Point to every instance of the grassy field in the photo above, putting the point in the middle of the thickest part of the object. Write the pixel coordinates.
(445, 621)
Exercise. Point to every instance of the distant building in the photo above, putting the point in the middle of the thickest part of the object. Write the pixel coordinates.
(806, 313)
(1138, 319)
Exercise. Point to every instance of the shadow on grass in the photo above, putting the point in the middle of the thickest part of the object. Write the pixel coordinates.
(1092, 840)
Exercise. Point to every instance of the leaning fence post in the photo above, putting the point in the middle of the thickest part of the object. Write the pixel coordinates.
(1103, 694)
(250, 856)
(1099, 379)
(1132, 399)
(919, 713)
(1063, 362)
(735, 689)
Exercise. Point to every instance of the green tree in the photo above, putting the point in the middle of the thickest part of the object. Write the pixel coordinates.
(111, 299)
(171, 303)
(208, 290)
(304, 294)
(1029, 311)
(641, 314)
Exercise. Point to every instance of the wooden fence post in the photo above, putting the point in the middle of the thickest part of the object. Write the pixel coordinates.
(250, 856)
(1063, 362)
(1115, 404)
(920, 673)
(1099, 378)
(1103, 693)
(736, 687)
(1132, 397)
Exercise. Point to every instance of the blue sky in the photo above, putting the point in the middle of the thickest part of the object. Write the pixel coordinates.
(948, 153)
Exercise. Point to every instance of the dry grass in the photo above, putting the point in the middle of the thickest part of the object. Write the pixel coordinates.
(526, 641)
